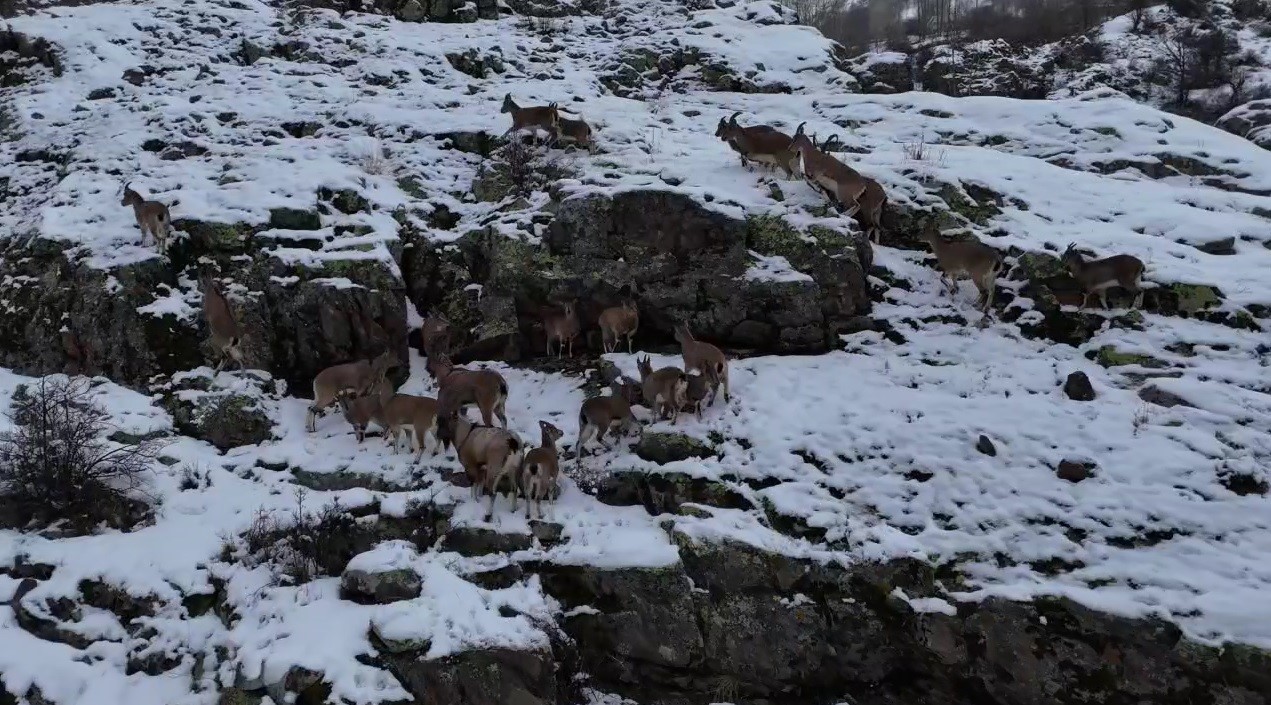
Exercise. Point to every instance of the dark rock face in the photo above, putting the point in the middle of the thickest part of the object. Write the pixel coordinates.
(762, 627)
(64, 316)
(686, 264)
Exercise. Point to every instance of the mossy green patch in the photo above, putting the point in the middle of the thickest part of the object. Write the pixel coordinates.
(1195, 297)
(1109, 356)
(665, 448)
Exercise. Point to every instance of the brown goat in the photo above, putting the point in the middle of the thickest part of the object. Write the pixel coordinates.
(540, 469)
(225, 334)
(435, 334)
(842, 183)
(357, 378)
(664, 390)
(152, 217)
(699, 386)
(538, 117)
(705, 358)
(458, 387)
(562, 327)
(360, 410)
(761, 143)
(576, 132)
(618, 321)
(404, 415)
(1096, 276)
(965, 259)
(487, 454)
(599, 415)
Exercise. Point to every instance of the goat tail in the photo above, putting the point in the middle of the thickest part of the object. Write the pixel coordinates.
(514, 444)
(719, 369)
(503, 389)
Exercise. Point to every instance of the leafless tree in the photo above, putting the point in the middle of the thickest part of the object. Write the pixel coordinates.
(57, 466)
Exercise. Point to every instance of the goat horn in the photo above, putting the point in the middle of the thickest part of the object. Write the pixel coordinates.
(800, 130)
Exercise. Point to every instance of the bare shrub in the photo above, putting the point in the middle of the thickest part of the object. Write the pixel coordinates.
(920, 150)
(57, 467)
(303, 546)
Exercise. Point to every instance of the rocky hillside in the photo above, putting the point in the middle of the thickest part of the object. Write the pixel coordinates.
(904, 501)
(1223, 54)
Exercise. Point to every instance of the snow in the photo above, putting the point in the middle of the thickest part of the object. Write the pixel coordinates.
(872, 447)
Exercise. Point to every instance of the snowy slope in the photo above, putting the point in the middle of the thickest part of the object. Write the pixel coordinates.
(870, 449)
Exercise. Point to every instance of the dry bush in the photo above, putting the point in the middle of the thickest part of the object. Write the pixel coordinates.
(303, 546)
(57, 467)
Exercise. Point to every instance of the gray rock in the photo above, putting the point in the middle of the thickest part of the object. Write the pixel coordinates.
(412, 11)
(1078, 388)
(380, 587)
(471, 541)
(665, 493)
(663, 448)
(985, 446)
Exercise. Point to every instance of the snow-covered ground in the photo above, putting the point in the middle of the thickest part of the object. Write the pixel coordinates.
(873, 447)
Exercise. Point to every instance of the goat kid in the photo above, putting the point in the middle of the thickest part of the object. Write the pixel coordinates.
(540, 469)
(1097, 276)
(407, 415)
(600, 415)
(704, 358)
(152, 217)
(576, 132)
(665, 390)
(562, 327)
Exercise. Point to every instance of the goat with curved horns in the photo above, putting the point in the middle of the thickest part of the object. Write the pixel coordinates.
(841, 182)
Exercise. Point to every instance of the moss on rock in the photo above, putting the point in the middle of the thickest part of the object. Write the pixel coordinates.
(1193, 298)
(663, 448)
(1110, 356)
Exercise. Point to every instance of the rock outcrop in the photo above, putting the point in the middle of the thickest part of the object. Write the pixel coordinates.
(686, 262)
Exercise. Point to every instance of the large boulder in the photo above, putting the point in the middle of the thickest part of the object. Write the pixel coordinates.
(686, 262)
(1251, 121)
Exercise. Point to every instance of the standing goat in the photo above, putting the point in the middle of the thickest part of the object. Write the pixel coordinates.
(872, 201)
(487, 454)
(562, 327)
(618, 321)
(540, 469)
(407, 415)
(435, 334)
(842, 183)
(1101, 274)
(705, 358)
(152, 217)
(759, 143)
(664, 390)
(457, 387)
(360, 411)
(357, 378)
(226, 336)
(599, 415)
(965, 259)
(536, 117)
(576, 132)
